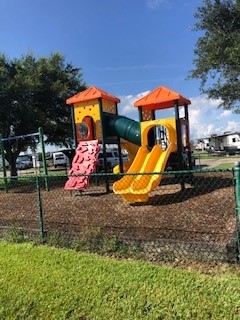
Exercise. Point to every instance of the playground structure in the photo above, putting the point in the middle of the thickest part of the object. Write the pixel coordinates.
(152, 144)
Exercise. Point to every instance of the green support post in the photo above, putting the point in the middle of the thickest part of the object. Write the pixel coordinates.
(179, 141)
(119, 147)
(104, 145)
(237, 196)
(140, 115)
(73, 128)
(40, 130)
(4, 165)
(189, 153)
(40, 209)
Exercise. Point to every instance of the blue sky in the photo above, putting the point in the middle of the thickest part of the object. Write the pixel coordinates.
(125, 47)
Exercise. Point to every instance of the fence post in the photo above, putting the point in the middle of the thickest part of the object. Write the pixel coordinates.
(237, 196)
(40, 131)
(4, 165)
(40, 209)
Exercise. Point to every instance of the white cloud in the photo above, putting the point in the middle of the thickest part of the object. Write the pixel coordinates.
(153, 4)
(224, 114)
(204, 103)
(232, 126)
(205, 117)
(126, 107)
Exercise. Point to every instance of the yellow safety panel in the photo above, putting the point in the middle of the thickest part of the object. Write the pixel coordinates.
(84, 109)
(168, 123)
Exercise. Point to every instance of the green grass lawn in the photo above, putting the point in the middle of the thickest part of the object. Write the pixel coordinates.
(207, 155)
(225, 166)
(48, 283)
(202, 155)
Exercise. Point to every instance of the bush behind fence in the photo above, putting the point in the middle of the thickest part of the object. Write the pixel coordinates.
(190, 215)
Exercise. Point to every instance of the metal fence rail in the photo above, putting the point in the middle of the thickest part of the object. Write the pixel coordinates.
(189, 215)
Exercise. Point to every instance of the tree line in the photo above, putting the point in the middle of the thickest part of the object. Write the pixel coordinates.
(33, 93)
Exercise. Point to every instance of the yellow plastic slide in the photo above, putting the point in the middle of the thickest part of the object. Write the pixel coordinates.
(123, 185)
(136, 188)
(132, 150)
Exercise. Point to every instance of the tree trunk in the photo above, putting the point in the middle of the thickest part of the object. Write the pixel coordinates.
(11, 157)
(13, 150)
(12, 163)
(13, 171)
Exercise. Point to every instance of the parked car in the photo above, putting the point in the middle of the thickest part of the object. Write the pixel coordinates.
(24, 162)
(21, 165)
(60, 159)
(112, 159)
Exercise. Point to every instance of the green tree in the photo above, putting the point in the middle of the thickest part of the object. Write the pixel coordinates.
(217, 51)
(33, 92)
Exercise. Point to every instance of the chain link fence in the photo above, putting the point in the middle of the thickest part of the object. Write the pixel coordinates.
(188, 216)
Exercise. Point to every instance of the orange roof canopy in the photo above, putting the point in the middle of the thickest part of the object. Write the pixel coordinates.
(161, 98)
(91, 94)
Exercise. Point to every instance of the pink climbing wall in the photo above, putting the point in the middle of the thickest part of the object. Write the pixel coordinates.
(84, 162)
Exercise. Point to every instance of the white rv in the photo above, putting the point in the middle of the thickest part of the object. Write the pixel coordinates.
(228, 142)
(202, 144)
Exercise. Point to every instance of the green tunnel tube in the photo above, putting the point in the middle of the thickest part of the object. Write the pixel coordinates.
(123, 127)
